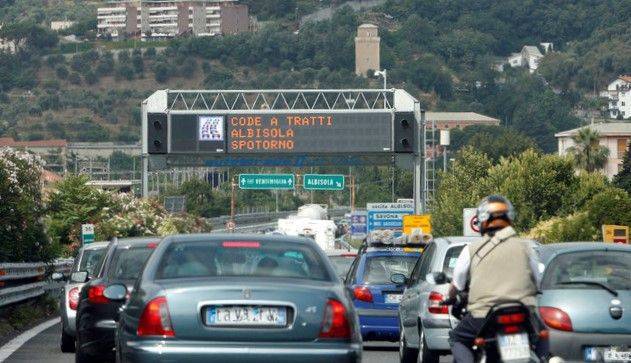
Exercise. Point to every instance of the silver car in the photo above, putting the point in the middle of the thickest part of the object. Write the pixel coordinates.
(88, 259)
(425, 325)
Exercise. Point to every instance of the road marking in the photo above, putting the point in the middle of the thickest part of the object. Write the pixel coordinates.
(20, 340)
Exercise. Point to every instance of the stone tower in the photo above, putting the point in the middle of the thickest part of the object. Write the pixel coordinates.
(367, 49)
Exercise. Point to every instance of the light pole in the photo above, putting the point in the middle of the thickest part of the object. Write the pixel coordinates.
(384, 74)
(444, 142)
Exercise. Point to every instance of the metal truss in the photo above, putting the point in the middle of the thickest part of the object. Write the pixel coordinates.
(257, 100)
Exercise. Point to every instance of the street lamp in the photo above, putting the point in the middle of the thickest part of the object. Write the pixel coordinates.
(384, 74)
(444, 142)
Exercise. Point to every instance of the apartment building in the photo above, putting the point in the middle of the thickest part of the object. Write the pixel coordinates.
(168, 19)
(618, 95)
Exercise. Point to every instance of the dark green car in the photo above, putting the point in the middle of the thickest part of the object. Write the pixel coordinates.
(237, 298)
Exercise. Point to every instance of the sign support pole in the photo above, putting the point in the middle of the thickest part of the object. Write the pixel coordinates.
(233, 202)
(419, 200)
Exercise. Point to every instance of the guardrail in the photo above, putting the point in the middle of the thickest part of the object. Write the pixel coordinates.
(27, 279)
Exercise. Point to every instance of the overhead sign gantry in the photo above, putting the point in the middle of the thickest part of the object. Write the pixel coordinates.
(281, 128)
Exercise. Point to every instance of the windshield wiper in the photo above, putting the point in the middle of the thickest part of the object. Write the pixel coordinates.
(593, 283)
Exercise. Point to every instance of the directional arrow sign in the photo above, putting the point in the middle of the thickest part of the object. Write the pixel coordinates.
(323, 182)
(267, 181)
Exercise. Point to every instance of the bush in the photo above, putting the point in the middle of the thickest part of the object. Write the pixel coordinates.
(74, 78)
(62, 72)
(22, 208)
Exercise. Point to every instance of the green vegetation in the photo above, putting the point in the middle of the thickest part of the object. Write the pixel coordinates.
(623, 179)
(588, 153)
(553, 203)
(18, 317)
(21, 209)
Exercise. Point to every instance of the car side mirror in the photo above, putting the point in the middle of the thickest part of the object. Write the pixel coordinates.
(57, 276)
(116, 292)
(440, 278)
(398, 279)
(79, 276)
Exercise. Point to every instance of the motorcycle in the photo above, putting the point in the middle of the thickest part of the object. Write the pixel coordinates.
(510, 333)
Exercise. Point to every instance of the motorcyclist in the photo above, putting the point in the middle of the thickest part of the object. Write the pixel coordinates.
(499, 268)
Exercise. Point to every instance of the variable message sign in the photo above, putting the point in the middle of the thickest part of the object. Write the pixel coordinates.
(267, 181)
(323, 182)
(282, 133)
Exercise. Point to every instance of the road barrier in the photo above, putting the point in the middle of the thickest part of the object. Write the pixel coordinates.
(243, 220)
(23, 281)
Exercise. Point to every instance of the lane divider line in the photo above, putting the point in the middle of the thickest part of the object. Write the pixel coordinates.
(15, 343)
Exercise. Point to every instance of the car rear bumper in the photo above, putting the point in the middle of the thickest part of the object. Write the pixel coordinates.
(69, 324)
(571, 346)
(379, 324)
(100, 338)
(437, 339)
(152, 351)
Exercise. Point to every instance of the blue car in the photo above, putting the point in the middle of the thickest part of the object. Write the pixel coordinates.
(375, 296)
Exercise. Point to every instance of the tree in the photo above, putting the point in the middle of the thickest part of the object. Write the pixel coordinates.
(494, 141)
(588, 154)
(460, 187)
(623, 179)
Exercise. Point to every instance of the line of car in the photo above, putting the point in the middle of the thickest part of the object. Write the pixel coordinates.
(243, 297)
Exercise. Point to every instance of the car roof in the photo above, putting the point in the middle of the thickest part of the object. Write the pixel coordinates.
(195, 237)
(340, 252)
(458, 239)
(95, 245)
(549, 251)
(133, 241)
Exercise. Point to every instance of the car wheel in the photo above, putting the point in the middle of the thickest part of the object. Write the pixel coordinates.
(67, 342)
(81, 357)
(426, 355)
(406, 354)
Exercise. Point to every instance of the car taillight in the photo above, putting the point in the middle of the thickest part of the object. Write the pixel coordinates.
(155, 319)
(95, 295)
(434, 306)
(362, 293)
(335, 324)
(556, 318)
(73, 298)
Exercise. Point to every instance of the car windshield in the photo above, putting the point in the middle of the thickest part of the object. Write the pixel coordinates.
(341, 264)
(379, 268)
(128, 262)
(610, 268)
(91, 260)
(241, 258)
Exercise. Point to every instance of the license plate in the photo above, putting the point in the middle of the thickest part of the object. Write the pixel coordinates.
(393, 298)
(246, 316)
(612, 355)
(514, 347)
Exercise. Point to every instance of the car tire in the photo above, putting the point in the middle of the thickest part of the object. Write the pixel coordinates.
(81, 357)
(67, 343)
(426, 355)
(406, 354)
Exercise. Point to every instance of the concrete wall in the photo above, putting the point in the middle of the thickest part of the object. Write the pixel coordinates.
(234, 18)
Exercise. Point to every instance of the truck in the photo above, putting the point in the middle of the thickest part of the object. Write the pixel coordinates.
(311, 221)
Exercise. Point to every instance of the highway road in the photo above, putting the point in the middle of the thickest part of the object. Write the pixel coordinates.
(44, 347)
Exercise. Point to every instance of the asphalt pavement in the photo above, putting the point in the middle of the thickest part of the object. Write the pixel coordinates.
(44, 347)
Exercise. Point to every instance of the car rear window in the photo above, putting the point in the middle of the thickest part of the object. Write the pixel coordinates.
(341, 264)
(241, 258)
(128, 262)
(612, 268)
(450, 260)
(91, 260)
(379, 268)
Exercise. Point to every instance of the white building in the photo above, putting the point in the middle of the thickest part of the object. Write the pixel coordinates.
(171, 18)
(615, 136)
(61, 25)
(618, 94)
(530, 56)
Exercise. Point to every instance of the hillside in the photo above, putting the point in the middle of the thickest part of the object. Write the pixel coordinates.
(442, 52)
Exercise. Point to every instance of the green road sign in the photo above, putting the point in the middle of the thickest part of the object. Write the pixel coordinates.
(87, 233)
(323, 182)
(267, 181)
